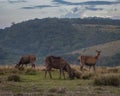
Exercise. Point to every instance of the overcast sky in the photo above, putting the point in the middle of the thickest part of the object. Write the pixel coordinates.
(22, 10)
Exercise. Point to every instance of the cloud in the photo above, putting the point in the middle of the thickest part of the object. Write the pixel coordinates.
(16, 1)
(63, 2)
(92, 8)
(76, 12)
(87, 2)
(38, 6)
(100, 2)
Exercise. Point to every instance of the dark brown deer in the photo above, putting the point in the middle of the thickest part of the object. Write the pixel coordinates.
(25, 60)
(58, 63)
(89, 60)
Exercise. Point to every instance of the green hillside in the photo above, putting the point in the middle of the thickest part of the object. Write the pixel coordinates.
(108, 49)
(54, 36)
(110, 53)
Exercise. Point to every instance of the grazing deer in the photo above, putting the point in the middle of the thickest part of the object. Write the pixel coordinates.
(27, 59)
(58, 63)
(89, 60)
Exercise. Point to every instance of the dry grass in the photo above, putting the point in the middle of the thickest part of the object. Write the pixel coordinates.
(14, 77)
(32, 82)
(108, 80)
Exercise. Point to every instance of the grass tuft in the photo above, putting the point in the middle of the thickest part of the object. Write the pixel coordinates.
(57, 90)
(14, 77)
(88, 75)
(108, 80)
(30, 72)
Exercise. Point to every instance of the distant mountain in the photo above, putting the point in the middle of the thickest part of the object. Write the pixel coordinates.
(55, 36)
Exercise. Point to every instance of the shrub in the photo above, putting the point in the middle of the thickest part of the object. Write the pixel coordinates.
(77, 74)
(14, 71)
(112, 80)
(87, 75)
(30, 72)
(14, 77)
(2, 72)
(57, 90)
(21, 68)
(113, 70)
(53, 90)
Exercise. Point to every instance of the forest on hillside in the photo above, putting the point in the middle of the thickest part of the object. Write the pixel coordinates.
(57, 36)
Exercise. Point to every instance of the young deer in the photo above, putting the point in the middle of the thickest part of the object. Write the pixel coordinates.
(89, 60)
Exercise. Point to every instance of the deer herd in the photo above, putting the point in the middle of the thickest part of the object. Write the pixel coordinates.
(60, 63)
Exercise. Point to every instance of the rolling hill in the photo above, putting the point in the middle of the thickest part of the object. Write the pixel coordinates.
(110, 53)
(107, 49)
(55, 36)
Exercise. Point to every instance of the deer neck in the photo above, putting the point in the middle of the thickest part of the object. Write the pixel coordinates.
(97, 56)
(68, 69)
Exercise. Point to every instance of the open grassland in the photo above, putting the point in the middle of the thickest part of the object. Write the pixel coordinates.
(31, 82)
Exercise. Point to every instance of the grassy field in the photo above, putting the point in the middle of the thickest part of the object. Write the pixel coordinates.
(31, 82)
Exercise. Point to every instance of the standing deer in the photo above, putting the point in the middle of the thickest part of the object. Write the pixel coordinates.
(58, 63)
(89, 60)
(27, 59)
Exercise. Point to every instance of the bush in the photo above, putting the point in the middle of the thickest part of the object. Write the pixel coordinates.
(30, 72)
(113, 70)
(14, 71)
(57, 90)
(87, 75)
(77, 74)
(2, 72)
(21, 68)
(112, 80)
(15, 78)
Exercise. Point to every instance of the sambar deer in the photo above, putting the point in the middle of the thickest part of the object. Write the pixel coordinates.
(25, 60)
(58, 63)
(89, 60)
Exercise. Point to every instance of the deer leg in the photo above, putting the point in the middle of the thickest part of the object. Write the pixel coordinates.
(63, 73)
(81, 67)
(26, 65)
(89, 68)
(60, 74)
(21, 66)
(33, 65)
(17, 66)
(94, 68)
(48, 70)
(50, 74)
(45, 72)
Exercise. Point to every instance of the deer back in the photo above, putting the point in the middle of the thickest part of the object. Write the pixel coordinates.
(88, 60)
(27, 59)
(55, 62)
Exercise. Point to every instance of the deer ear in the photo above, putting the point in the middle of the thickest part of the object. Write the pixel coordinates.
(78, 58)
(98, 50)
